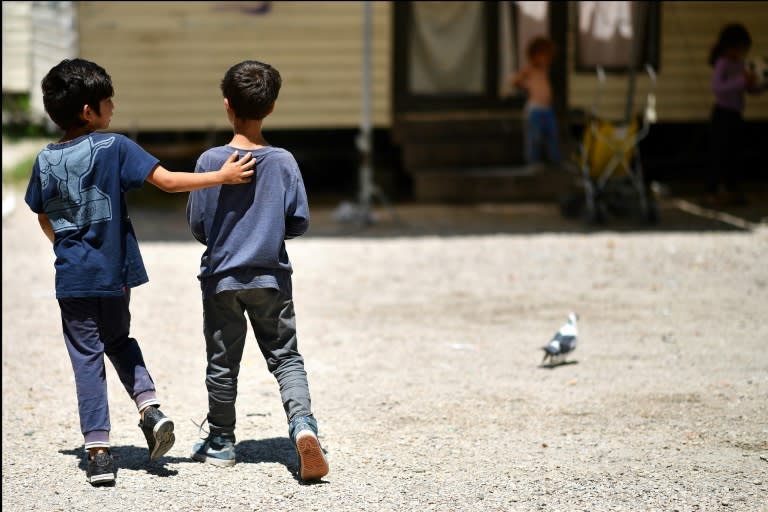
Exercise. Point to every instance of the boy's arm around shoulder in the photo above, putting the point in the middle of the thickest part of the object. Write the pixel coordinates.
(296, 206)
(233, 172)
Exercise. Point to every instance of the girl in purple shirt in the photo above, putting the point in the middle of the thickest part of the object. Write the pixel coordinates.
(730, 80)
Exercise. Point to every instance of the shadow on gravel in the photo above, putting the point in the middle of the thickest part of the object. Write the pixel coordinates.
(275, 449)
(552, 366)
(169, 223)
(132, 458)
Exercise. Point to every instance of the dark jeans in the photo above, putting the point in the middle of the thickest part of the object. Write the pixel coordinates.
(94, 326)
(273, 321)
(541, 135)
(725, 143)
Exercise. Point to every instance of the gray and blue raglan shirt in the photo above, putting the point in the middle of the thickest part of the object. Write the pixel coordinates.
(244, 227)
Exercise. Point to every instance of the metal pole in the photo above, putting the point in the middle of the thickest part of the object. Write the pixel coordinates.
(634, 54)
(364, 140)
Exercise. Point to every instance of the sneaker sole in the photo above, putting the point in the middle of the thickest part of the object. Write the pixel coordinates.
(312, 462)
(106, 478)
(164, 438)
(199, 457)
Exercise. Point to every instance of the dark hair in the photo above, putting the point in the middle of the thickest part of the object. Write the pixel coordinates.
(732, 36)
(540, 44)
(251, 87)
(69, 86)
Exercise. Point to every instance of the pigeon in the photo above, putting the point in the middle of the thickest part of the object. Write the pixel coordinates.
(563, 342)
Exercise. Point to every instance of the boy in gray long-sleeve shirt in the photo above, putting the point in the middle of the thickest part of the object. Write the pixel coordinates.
(245, 270)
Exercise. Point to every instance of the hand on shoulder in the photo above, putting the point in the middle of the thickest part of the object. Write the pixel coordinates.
(238, 171)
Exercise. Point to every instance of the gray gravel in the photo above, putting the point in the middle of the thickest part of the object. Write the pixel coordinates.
(423, 358)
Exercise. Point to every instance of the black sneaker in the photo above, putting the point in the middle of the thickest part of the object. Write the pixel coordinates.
(101, 469)
(158, 429)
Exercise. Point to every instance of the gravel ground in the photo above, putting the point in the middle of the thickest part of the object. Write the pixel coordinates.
(423, 357)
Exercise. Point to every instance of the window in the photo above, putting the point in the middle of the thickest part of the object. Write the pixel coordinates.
(447, 48)
(459, 55)
(616, 34)
(519, 22)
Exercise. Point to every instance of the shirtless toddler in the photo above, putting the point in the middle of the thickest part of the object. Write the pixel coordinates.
(541, 129)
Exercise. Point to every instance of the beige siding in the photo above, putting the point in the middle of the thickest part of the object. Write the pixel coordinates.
(688, 30)
(17, 35)
(54, 37)
(167, 59)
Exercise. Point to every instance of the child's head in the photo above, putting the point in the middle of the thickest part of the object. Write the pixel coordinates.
(734, 42)
(70, 86)
(541, 51)
(251, 89)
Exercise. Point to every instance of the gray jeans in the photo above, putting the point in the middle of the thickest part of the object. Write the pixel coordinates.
(273, 320)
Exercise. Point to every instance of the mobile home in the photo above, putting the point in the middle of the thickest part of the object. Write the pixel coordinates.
(439, 68)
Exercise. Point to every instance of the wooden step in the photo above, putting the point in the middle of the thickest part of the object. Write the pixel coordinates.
(460, 139)
(491, 183)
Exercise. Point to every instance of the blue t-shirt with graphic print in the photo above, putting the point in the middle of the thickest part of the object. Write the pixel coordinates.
(80, 185)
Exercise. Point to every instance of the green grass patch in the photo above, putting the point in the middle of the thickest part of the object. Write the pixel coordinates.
(17, 132)
(20, 173)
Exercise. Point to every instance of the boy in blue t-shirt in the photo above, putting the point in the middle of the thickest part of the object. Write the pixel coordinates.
(245, 270)
(77, 189)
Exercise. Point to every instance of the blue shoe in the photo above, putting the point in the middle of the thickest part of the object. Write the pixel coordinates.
(216, 450)
(312, 462)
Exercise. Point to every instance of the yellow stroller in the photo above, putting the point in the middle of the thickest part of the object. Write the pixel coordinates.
(609, 160)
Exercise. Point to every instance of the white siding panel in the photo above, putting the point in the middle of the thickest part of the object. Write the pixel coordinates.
(17, 38)
(54, 37)
(688, 30)
(168, 58)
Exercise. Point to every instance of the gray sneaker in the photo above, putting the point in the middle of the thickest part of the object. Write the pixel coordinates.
(216, 450)
(312, 462)
(158, 429)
